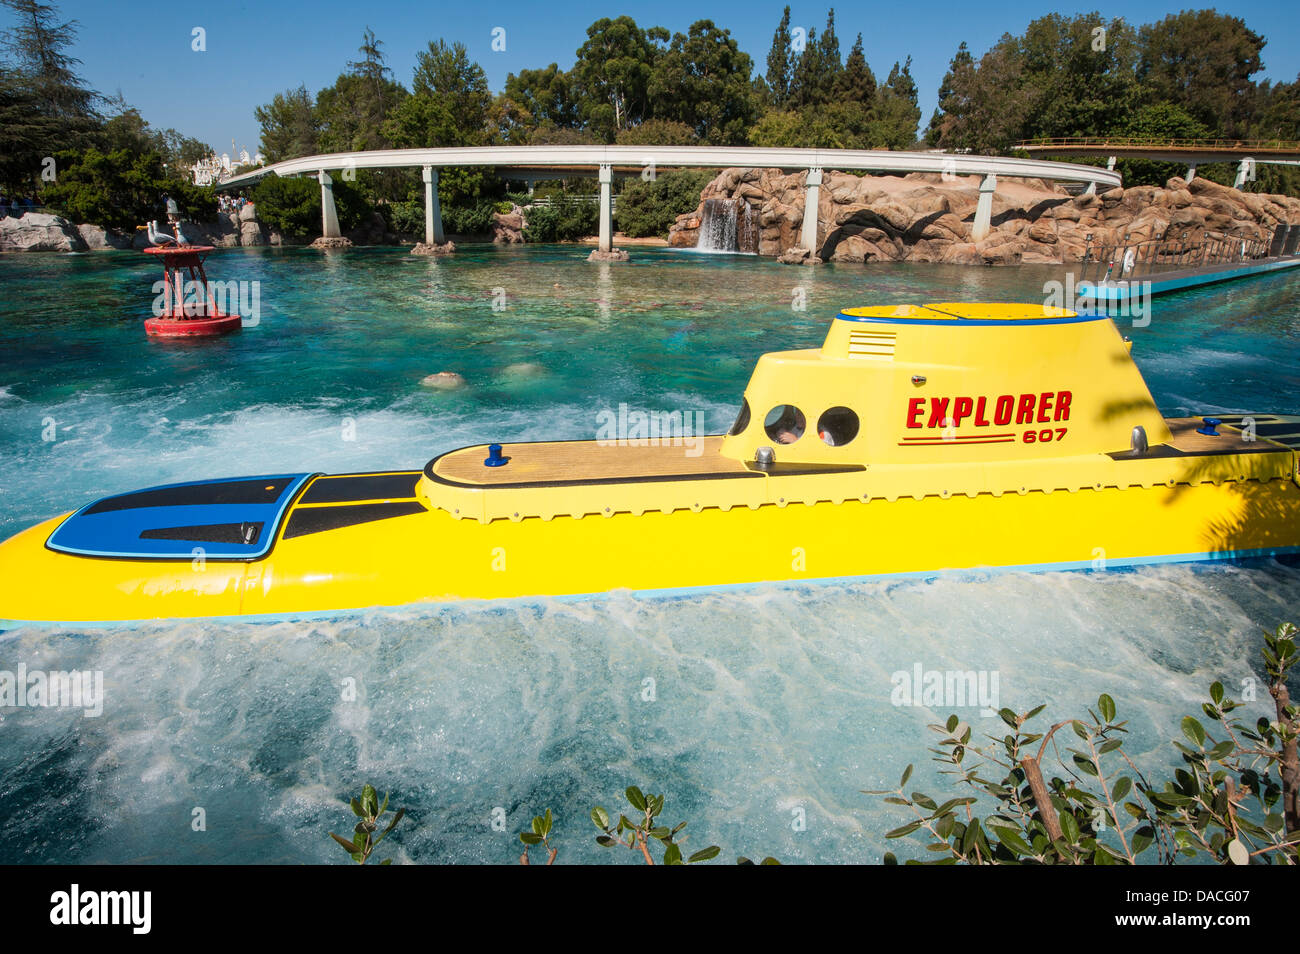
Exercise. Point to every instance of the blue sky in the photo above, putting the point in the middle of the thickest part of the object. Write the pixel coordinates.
(256, 49)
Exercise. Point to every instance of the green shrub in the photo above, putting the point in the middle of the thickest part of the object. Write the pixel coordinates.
(406, 217)
(567, 219)
(121, 189)
(650, 208)
(292, 206)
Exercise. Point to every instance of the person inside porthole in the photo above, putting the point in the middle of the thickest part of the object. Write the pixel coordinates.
(785, 424)
(837, 426)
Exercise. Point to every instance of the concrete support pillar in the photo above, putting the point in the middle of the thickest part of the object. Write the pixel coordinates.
(432, 209)
(606, 207)
(984, 210)
(811, 196)
(1110, 167)
(329, 216)
(1245, 173)
(1191, 172)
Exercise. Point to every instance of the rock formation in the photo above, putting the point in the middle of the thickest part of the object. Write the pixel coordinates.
(613, 255)
(39, 232)
(508, 227)
(925, 217)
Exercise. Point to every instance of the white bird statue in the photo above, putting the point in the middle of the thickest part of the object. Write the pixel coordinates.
(157, 237)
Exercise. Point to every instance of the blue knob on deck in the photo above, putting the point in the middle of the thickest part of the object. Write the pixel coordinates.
(1209, 429)
(494, 458)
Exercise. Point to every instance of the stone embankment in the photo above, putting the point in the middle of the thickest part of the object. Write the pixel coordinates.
(925, 217)
(43, 232)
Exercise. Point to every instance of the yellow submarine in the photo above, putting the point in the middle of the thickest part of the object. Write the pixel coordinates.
(917, 439)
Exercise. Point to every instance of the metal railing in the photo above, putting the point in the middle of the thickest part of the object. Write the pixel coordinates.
(548, 200)
(1127, 260)
(1244, 146)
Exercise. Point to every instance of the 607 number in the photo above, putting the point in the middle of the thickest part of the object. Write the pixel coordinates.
(1044, 436)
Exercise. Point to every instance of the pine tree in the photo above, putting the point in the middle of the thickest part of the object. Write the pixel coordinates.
(45, 107)
(779, 67)
(856, 83)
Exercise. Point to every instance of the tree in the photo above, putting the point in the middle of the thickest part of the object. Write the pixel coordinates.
(448, 77)
(896, 115)
(350, 114)
(856, 83)
(122, 189)
(289, 125)
(658, 132)
(962, 64)
(817, 70)
(1158, 121)
(547, 95)
(1203, 61)
(45, 107)
(703, 80)
(779, 67)
(613, 72)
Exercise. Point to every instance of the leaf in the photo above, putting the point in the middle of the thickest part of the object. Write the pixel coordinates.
(1237, 853)
(1216, 692)
(546, 824)
(1013, 841)
(344, 842)
(1194, 731)
(1123, 785)
(925, 801)
(1069, 827)
(903, 830)
(907, 773)
(530, 838)
(1007, 716)
(704, 854)
(673, 856)
(1142, 839)
(370, 800)
(356, 809)
(539, 824)
(600, 818)
(1106, 706)
(605, 841)
(635, 797)
(401, 812)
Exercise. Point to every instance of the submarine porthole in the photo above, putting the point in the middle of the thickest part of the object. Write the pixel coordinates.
(837, 426)
(785, 424)
(742, 419)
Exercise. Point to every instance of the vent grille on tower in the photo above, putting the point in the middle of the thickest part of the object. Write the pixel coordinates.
(872, 344)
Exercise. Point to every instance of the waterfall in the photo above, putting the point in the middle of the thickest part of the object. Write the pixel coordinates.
(728, 225)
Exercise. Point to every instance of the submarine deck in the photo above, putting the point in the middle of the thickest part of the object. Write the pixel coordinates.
(554, 463)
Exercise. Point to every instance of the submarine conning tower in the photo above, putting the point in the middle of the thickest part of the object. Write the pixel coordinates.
(948, 383)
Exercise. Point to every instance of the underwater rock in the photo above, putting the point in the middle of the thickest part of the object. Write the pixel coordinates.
(324, 242)
(443, 381)
(425, 248)
(613, 255)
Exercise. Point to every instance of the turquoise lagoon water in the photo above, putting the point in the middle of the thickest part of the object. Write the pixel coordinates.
(770, 707)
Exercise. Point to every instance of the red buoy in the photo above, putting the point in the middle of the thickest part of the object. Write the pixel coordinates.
(196, 315)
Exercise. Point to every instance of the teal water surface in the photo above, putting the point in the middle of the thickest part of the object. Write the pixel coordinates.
(765, 711)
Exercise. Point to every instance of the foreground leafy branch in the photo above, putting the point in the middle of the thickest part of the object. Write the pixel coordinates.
(370, 813)
(1235, 799)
